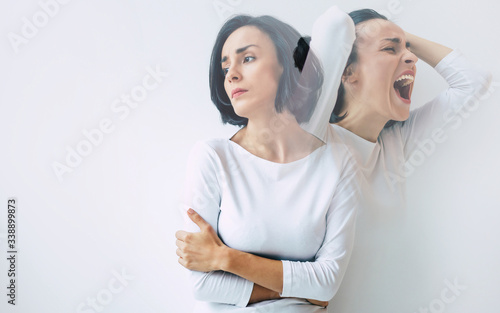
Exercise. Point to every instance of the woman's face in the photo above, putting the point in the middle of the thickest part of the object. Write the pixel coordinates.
(252, 71)
(385, 70)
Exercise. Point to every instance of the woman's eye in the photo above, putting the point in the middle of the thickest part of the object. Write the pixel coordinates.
(225, 70)
(390, 49)
(248, 59)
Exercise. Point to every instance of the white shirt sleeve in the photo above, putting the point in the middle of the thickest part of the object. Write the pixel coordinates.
(467, 83)
(202, 194)
(321, 278)
(333, 35)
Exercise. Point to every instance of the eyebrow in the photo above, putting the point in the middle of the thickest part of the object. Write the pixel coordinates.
(238, 51)
(397, 40)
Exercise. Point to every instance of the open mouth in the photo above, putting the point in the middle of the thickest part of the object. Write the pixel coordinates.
(403, 85)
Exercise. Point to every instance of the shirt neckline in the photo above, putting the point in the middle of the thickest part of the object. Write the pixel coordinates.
(248, 153)
(363, 148)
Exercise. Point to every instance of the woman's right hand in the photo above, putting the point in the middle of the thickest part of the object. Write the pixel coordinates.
(317, 302)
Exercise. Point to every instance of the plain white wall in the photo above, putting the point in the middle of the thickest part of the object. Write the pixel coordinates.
(114, 212)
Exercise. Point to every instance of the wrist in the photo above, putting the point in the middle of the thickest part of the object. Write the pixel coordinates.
(224, 259)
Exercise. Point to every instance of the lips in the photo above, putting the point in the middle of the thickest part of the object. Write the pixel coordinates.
(235, 93)
(404, 86)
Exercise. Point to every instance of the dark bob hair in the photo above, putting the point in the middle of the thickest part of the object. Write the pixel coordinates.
(300, 83)
(358, 16)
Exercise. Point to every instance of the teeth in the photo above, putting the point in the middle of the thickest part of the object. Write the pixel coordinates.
(409, 79)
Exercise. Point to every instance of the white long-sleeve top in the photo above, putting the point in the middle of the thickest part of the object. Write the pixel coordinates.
(375, 280)
(302, 213)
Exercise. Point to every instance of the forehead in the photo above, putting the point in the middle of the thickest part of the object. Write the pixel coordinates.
(376, 30)
(244, 36)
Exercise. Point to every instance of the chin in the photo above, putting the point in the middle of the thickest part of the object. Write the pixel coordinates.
(401, 115)
(402, 118)
(400, 111)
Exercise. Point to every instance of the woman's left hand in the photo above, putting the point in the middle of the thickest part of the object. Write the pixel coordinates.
(200, 251)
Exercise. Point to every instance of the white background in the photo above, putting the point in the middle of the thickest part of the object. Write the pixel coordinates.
(118, 209)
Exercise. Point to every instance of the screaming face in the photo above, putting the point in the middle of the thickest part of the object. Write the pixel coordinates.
(384, 72)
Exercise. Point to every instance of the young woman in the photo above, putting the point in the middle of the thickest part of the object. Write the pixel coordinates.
(372, 115)
(272, 209)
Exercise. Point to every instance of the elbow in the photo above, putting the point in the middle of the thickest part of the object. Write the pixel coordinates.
(199, 294)
(220, 287)
(334, 20)
(201, 286)
(331, 278)
(328, 292)
(334, 273)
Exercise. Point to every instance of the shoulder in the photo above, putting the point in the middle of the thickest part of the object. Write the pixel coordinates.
(210, 145)
(208, 152)
(340, 150)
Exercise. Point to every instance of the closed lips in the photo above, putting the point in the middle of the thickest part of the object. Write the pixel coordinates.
(238, 91)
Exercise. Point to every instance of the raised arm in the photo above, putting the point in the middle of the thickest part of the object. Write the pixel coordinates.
(467, 83)
(332, 37)
(428, 51)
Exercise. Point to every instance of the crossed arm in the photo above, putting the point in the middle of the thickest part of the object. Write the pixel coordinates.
(205, 252)
(224, 275)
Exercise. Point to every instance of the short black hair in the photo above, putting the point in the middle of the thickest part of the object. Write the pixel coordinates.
(358, 16)
(299, 86)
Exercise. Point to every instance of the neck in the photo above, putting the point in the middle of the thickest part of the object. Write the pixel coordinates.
(362, 121)
(276, 137)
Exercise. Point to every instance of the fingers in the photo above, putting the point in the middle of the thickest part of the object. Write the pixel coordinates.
(197, 219)
(180, 244)
(179, 253)
(181, 235)
(182, 262)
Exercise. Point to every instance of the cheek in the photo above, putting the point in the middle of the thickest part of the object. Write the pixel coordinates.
(269, 80)
(382, 69)
(382, 73)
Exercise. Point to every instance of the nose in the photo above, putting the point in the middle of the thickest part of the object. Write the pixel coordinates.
(409, 57)
(233, 74)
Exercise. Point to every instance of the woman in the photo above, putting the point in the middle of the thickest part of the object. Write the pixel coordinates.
(282, 202)
(372, 110)
(372, 115)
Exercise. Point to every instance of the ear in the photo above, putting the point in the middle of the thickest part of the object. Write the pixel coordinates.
(350, 75)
